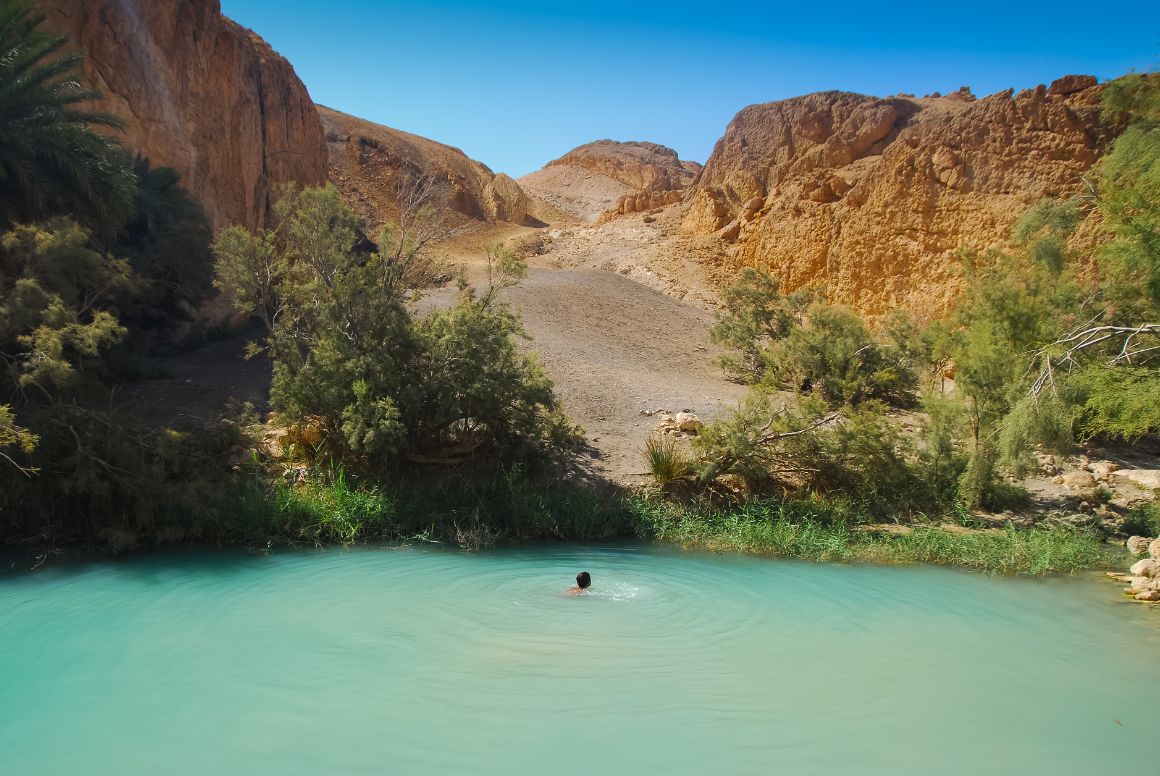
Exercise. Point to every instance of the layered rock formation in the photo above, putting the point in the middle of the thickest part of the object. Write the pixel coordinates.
(373, 166)
(640, 166)
(607, 178)
(872, 197)
(200, 94)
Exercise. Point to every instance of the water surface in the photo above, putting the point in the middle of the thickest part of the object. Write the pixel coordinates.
(417, 662)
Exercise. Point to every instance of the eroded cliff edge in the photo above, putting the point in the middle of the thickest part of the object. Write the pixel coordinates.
(872, 197)
(200, 94)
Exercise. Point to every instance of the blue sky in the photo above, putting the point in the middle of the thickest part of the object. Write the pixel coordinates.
(518, 83)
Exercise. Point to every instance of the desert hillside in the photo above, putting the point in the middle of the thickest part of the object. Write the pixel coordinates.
(872, 197)
(377, 167)
(598, 177)
(184, 78)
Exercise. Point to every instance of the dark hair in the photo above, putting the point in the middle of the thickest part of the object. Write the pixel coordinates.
(583, 580)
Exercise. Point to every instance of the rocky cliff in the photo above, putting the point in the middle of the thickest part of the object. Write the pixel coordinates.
(872, 197)
(372, 166)
(600, 180)
(200, 94)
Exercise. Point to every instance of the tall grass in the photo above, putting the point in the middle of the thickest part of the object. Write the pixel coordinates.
(667, 463)
(788, 530)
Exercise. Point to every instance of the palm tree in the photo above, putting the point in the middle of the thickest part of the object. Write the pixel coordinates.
(52, 161)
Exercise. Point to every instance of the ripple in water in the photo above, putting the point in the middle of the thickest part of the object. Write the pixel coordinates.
(421, 662)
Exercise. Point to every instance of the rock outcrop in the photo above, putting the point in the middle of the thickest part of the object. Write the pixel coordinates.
(640, 166)
(373, 166)
(605, 179)
(200, 94)
(872, 197)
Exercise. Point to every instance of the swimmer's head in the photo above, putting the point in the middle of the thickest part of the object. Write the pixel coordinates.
(583, 580)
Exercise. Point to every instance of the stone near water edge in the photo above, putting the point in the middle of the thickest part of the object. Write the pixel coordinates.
(1146, 568)
(1138, 545)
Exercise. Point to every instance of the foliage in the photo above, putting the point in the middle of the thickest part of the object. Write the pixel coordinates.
(754, 315)
(14, 438)
(1129, 186)
(59, 302)
(348, 352)
(807, 530)
(1142, 520)
(52, 161)
(859, 454)
(802, 344)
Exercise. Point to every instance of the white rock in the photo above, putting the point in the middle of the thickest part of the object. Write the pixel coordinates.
(1102, 470)
(1146, 568)
(688, 422)
(1149, 479)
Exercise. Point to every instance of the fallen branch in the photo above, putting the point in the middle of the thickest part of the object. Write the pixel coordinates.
(1082, 340)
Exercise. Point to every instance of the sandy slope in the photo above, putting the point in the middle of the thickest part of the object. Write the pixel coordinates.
(614, 347)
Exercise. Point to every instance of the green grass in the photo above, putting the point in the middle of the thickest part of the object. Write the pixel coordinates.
(805, 532)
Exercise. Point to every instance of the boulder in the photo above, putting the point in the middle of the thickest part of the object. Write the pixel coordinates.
(1154, 549)
(1138, 545)
(1078, 481)
(688, 423)
(1103, 470)
(1146, 568)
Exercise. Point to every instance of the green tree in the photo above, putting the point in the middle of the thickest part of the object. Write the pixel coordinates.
(52, 161)
(349, 355)
(59, 305)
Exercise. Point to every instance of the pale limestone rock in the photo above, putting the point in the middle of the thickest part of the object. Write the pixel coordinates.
(1148, 479)
(1146, 568)
(1103, 470)
(1154, 549)
(688, 422)
(1079, 481)
(1138, 545)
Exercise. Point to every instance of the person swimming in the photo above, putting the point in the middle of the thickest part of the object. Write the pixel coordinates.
(583, 582)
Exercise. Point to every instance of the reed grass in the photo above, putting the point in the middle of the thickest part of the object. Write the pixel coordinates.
(805, 532)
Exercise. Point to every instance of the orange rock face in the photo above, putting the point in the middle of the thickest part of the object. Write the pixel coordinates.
(872, 197)
(369, 163)
(640, 166)
(200, 94)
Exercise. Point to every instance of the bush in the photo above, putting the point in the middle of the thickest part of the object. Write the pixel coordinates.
(801, 344)
(349, 354)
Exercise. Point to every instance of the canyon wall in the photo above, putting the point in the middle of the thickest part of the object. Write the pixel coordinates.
(872, 197)
(369, 163)
(200, 94)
